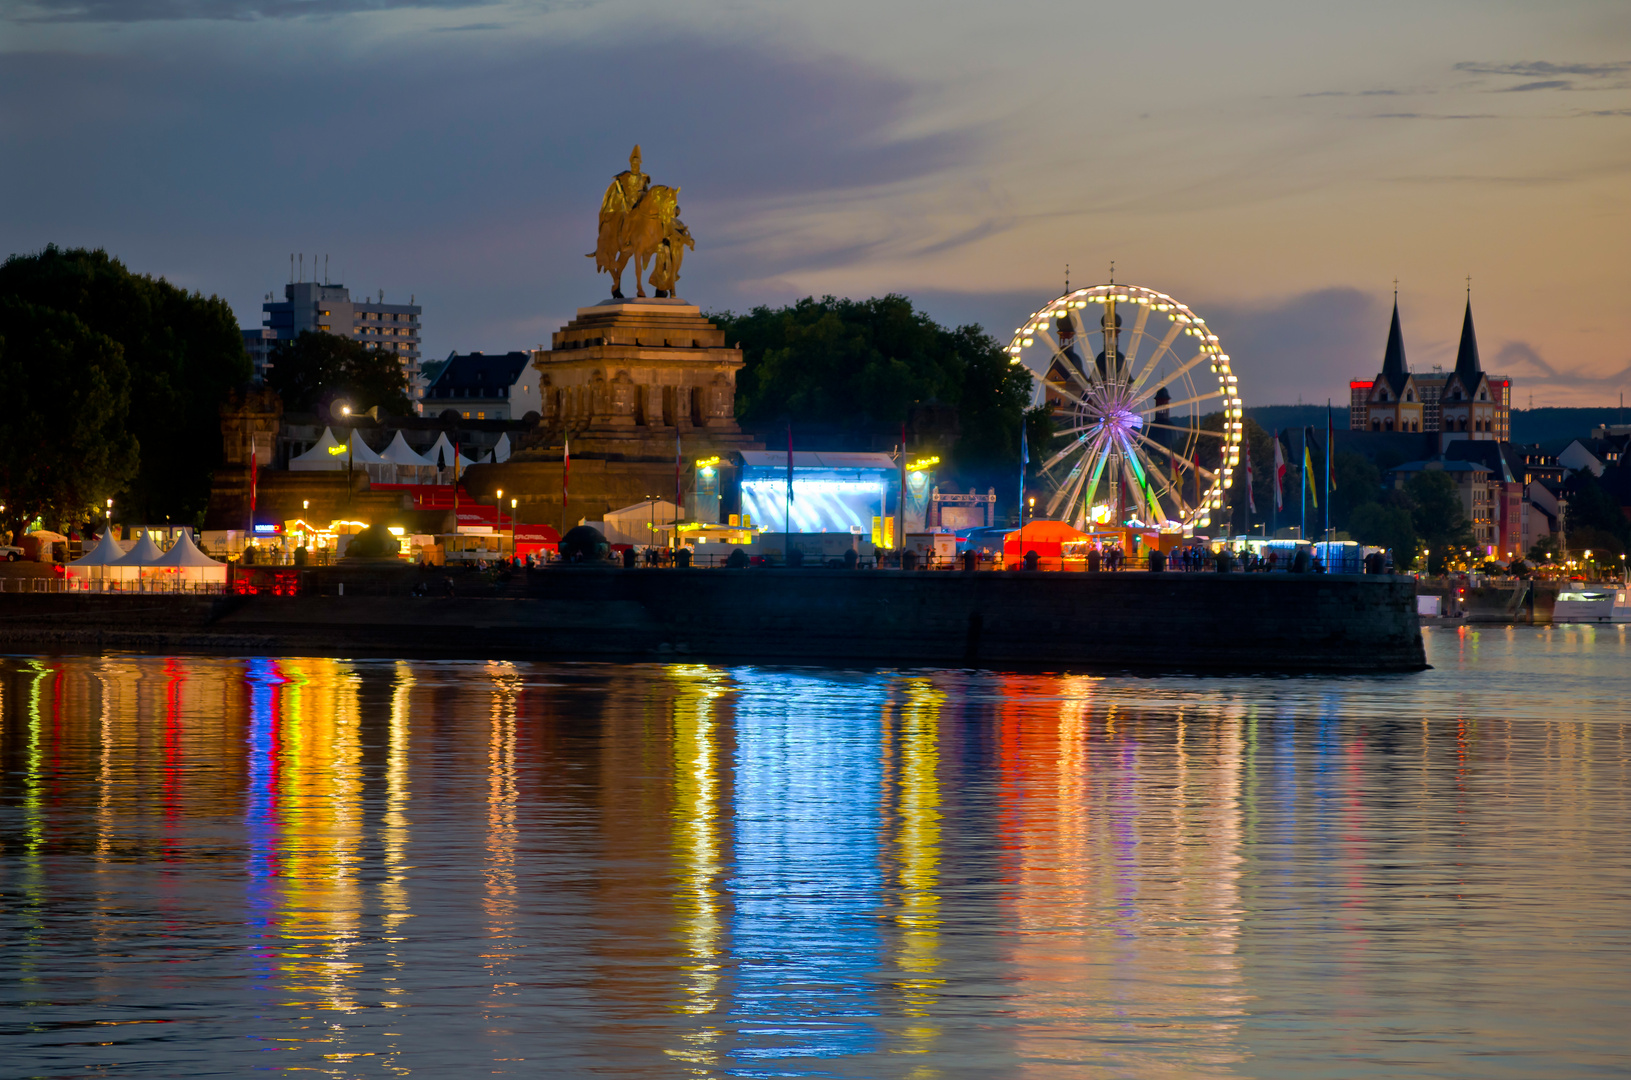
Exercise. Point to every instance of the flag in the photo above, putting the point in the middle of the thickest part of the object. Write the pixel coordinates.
(1251, 499)
(566, 471)
(1024, 460)
(1279, 473)
(1308, 476)
(1330, 454)
(789, 462)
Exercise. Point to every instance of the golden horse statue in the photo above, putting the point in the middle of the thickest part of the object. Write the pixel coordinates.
(640, 223)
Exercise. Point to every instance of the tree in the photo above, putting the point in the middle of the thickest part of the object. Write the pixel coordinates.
(1389, 527)
(867, 363)
(1594, 519)
(1435, 512)
(184, 354)
(1355, 483)
(319, 367)
(64, 446)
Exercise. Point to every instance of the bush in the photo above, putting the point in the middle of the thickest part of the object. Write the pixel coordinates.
(374, 542)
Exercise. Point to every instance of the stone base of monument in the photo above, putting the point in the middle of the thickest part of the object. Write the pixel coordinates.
(631, 383)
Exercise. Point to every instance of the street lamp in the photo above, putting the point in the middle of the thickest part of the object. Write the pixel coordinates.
(512, 529)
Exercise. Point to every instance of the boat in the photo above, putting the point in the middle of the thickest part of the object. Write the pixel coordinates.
(1593, 605)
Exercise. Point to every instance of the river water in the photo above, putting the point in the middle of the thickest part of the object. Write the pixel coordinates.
(375, 868)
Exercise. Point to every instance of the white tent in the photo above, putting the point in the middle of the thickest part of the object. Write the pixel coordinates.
(95, 564)
(135, 563)
(642, 524)
(185, 562)
(405, 461)
(400, 453)
(441, 455)
(361, 453)
(327, 456)
(145, 553)
(501, 452)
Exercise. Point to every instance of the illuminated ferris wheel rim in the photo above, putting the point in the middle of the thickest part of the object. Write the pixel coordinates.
(1132, 398)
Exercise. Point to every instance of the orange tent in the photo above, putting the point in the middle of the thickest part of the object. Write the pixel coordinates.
(1046, 538)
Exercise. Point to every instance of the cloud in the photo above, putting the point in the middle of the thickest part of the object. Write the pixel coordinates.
(1360, 93)
(467, 172)
(1545, 84)
(1433, 116)
(138, 11)
(1540, 69)
(1303, 347)
(1522, 360)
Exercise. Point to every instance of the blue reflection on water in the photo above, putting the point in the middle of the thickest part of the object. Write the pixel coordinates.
(807, 885)
(260, 808)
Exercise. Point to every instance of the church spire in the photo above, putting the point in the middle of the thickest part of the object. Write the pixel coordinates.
(1394, 371)
(1467, 368)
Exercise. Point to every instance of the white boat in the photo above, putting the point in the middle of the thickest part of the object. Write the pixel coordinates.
(1593, 605)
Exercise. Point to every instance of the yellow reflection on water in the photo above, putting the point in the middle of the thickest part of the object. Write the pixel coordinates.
(320, 826)
(498, 901)
(917, 847)
(394, 831)
(697, 826)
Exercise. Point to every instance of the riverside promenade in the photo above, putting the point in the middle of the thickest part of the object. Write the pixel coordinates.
(1144, 621)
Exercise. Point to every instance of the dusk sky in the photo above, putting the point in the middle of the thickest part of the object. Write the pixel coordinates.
(1274, 164)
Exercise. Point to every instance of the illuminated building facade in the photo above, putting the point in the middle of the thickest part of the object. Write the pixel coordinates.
(1464, 401)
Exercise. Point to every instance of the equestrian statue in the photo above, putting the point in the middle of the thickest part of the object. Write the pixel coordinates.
(642, 223)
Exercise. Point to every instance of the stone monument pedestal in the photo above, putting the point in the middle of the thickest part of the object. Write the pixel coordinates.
(630, 383)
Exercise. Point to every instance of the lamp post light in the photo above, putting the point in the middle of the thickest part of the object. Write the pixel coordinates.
(512, 529)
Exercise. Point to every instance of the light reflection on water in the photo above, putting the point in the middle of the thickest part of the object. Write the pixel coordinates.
(384, 868)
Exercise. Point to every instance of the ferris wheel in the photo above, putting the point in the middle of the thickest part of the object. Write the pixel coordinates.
(1129, 374)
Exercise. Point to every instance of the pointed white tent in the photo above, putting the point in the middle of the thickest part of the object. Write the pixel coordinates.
(441, 455)
(501, 452)
(327, 456)
(96, 563)
(135, 563)
(186, 563)
(400, 453)
(404, 461)
(361, 452)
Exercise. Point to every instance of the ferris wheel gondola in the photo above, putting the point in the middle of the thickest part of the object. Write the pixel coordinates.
(1130, 377)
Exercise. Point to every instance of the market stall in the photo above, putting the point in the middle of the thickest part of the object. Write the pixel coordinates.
(99, 563)
(187, 567)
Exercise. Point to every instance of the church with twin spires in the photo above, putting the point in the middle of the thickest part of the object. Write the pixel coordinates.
(1465, 401)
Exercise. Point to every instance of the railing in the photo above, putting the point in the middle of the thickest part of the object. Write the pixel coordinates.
(94, 587)
(1205, 564)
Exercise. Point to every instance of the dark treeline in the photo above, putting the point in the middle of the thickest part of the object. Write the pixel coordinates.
(113, 382)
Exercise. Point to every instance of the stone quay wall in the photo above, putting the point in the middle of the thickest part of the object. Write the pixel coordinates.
(1176, 622)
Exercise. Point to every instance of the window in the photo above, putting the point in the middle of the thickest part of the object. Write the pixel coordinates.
(467, 414)
(481, 416)
(1410, 395)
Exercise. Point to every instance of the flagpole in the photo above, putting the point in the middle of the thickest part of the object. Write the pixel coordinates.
(1274, 478)
(1024, 460)
(566, 473)
(1329, 433)
(1302, 487)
